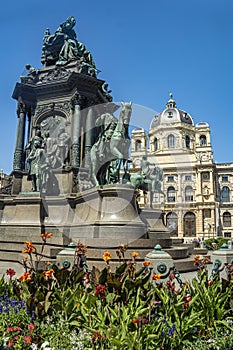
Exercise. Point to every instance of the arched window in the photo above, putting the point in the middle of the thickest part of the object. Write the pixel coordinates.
(170, 141)
(202, 140)
(171, 194)
(172, 223)
(225, 194)
(226, 219)
(187, 141)
(138, 145)
(188, 194)
(189, 224)
(156, 145)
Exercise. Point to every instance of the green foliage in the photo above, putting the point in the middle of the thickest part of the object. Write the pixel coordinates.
(121, 309)
(215, 243)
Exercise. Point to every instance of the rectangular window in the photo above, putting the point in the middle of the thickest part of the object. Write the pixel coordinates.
(170, 178)
(224, 178)
(171, 198)
(188, 178)
(227, 234)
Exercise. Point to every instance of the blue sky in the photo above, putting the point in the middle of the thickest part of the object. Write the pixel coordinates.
(143, 49)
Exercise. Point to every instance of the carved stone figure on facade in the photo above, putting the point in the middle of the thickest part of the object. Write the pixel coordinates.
(206, 191)
(62, 47)
(34, 161)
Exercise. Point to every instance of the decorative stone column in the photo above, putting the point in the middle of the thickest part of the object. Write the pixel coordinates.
(76, 133)
(90, 136)
(19, 148)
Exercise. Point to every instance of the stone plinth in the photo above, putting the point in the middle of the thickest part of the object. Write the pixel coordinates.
(153, 218)
(161, 261)
(107, 212)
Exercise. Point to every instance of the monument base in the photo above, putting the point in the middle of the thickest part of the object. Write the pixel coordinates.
(107, 212)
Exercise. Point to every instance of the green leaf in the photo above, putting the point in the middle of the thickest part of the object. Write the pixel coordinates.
(103, 276)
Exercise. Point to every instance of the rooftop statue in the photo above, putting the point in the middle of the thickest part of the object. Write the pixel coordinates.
(62, 47)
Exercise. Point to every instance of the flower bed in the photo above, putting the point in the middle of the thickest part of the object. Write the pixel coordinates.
(130, 308)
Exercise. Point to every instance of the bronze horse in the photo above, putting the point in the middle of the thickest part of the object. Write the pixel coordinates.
(112, 147)
(151, 185)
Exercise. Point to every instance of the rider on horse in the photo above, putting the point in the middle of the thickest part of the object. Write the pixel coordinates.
(107, 123)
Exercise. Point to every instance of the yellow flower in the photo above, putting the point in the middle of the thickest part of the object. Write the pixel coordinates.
(135, 254)
(107, 256)
(156, 277)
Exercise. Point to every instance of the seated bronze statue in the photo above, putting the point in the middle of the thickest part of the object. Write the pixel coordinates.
(62, 47)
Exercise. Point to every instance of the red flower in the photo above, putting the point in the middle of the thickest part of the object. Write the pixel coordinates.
(187, 300)
(100, 291)
(31, 326)
(10, 344)
(10, 272)
(27, 339)
(136, 320)
(97, 335)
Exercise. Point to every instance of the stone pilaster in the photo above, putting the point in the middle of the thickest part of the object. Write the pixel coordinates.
(76, 133)
(90, 135)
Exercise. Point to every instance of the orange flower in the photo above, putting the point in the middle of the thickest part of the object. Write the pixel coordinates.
(81, 248)
(196, 260)
(156, 277)
(45, 235)
(25, 277)
(107, 256)
(206, 260)
(147, 263)
(135, 254)
(48, 274)
(210, 282)
(29, 247)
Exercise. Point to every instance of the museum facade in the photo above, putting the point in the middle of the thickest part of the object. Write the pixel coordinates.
(197, 197)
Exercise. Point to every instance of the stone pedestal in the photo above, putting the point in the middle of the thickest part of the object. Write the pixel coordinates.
(108, 212)
(153, 218)
(225, 256)
(161, 261)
